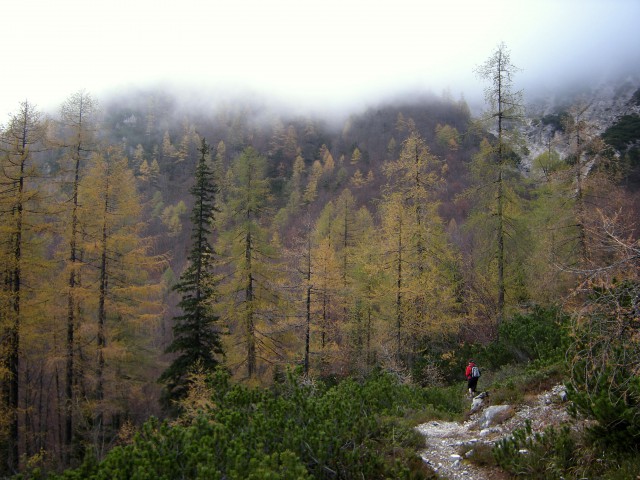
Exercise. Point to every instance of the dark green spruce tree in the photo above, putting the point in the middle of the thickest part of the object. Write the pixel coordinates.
(196, 338)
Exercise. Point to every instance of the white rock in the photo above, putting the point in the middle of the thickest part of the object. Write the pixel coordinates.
(496, 414)
(476, 404)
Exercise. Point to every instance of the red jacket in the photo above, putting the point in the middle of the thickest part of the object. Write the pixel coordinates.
(468, 370)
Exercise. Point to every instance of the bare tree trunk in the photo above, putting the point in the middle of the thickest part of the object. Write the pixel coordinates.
(399, 296)
(250, 322)
(500, 253)
(102, 313)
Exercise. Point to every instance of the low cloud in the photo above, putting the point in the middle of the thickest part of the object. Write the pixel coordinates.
(328, 55)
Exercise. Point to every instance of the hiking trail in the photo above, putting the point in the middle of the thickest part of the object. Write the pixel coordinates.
(450, 445)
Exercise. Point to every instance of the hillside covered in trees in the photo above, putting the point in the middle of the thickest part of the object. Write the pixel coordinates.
(146, 244)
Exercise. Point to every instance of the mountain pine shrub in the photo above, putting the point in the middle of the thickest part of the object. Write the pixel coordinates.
(294, 431)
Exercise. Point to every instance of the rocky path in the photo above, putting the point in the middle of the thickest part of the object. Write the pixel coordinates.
(445, 442)
(449, 445)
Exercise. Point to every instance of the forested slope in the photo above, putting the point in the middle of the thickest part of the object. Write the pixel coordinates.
(390, 239)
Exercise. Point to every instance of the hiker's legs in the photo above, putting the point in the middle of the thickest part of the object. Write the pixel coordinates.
(472, 384)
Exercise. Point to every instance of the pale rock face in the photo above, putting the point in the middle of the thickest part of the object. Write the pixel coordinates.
(606, 102)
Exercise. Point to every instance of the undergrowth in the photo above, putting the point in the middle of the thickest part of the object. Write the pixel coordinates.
(561, 453)
(293, 431)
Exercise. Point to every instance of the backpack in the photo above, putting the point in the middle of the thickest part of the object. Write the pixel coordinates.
(475, 372)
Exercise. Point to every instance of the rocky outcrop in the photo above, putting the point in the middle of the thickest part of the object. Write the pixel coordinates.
(604, 104)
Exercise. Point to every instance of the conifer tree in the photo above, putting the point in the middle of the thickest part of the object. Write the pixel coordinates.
(565, 203)
(394, 220)
(418, 252)
(120, 299)
(584, 147)
(506, 109)
(77, 121)
(196, 336)
(252, 300)
(365, 306)
(327, 283)
(300, 257)
(20, 141)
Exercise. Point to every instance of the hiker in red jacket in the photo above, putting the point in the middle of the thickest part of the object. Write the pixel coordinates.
(473, 374)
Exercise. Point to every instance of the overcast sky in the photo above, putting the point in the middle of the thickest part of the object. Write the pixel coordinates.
(311, 52)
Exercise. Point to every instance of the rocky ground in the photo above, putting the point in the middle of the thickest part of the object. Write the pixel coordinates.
(449, 445)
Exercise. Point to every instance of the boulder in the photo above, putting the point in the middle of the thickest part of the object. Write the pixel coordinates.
(495, 415)
(560, 393)
(478, 401)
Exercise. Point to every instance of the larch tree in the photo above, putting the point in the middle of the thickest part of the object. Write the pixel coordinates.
(488, 221)
(307, 275)
(311, 190)
(328, 163)
(416, 176)
(345, 233)
(551, 217)
(168, 151)
(187, 143)
(252, 305)
(294, 190)
(583, 187)
(567, 199)
(394, 220)
(77, 130)
(585, 147)
(505, 109)
(301, 277)
(118, 302)
(365, 306)
(345, 230)
(420, 255)
(20, 142)
(356, 156)
(138, 156)
(326, 278)
(123, 299)
(196, 333)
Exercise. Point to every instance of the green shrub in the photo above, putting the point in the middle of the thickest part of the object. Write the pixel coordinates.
(549, 455)
(613, 401)
(623, 133)
(541, 335)
(479, 454)
(558, 121)
(297, 431)
(622, 468)
(605, 386)
(450, 400)
(562, 454)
